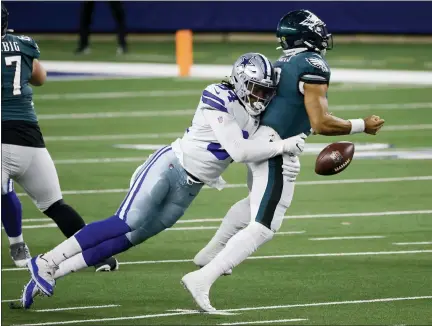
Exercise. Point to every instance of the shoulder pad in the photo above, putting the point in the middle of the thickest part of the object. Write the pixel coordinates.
(215, 96)
(313, 68)
(29, 43)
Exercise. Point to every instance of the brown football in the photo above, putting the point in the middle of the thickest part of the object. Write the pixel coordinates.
(334, 158)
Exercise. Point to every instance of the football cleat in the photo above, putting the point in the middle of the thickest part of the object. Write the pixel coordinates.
(30, 291)
(199, 291)
(20, 254)
(42, 274)
(108, 265)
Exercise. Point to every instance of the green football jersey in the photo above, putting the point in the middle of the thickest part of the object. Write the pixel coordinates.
(18, 53)
(286, 113)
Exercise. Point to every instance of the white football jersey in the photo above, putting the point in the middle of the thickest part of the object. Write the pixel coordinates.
(199, 151)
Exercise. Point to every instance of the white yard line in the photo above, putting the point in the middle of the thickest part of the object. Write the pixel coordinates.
(407, 127)
(210, 313)
(228, 186)
(308, 216)
(11, 300)
(412, 243)
(112, 95)
(78, 308)
(169, 135)
(335, 254)
(265, 321)
(117, 114)
(187, 112)
(335, 303)
(189, 312)
(349, 238)
(102, 160)
(115, 137)
(99, 320)
(191, 92)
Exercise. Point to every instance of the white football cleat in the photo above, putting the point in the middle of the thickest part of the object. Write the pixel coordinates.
(42, 274)
(199, 291)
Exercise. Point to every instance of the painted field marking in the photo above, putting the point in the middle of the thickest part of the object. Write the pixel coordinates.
(290, 232)
(112, 95)
(78, 308)
(115, 137)
(99, 320)
(190, 312)
(11, 300)
(349, 238)
(412, 243)
(336, 254)
(309, 216)
(335, 303)
(210, 313)
(265, 321)
(169, 135)
(408, 127)
(187, 112)
(102, 160)
(192, 92)
(243, 185)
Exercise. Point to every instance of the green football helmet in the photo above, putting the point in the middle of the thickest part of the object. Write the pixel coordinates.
(300, 29)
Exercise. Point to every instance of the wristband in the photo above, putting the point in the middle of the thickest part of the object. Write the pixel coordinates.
(357, 126)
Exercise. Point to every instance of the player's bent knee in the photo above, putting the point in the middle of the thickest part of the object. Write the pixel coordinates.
(44, 204)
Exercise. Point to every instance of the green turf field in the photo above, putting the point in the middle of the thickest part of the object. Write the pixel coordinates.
(306, 275)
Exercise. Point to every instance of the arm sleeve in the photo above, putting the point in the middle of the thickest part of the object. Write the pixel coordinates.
(230, 136)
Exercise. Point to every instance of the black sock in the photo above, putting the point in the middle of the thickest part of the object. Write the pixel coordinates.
(66, 218)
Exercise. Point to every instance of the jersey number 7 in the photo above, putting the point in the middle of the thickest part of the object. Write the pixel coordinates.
(17, 78)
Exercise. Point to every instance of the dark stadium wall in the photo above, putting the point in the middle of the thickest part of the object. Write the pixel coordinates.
(383, 17)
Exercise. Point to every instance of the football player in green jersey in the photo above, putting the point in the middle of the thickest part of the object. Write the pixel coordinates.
(299, 107)
(25, 159)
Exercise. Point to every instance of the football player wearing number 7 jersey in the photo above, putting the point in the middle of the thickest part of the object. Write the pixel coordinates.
(300, 104)
(164, 186)
(25, 158)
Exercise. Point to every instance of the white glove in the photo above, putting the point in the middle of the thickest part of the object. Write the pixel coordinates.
(294, 146)
(291, 167)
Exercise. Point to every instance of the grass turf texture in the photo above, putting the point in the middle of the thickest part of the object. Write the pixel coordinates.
(149, 289)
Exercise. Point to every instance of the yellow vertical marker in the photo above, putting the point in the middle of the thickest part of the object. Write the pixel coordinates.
(184, 51)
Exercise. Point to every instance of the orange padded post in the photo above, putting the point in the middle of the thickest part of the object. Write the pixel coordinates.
(184, 51)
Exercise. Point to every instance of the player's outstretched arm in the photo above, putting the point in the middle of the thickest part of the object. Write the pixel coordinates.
(323, 123)
(39, 74)
(230, 136)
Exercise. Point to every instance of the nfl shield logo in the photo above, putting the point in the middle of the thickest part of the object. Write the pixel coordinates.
(220, 119)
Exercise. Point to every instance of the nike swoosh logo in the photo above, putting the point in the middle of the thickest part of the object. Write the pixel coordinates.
(216, 91)
(297, 145)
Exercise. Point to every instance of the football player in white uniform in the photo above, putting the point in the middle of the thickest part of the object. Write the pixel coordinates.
(165, 185)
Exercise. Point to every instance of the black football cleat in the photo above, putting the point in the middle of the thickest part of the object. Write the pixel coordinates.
(108, 265)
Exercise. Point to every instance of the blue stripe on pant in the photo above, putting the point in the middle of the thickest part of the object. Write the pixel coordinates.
(127, 202)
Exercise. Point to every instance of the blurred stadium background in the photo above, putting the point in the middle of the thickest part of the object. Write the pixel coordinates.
(357, 248)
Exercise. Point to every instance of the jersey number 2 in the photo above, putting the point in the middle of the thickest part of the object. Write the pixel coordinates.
(17, 78)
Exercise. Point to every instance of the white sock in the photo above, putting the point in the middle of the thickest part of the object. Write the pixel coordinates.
(68, 248)
(238, 248)
(70, 265)
(236, 219)
(14, 240)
